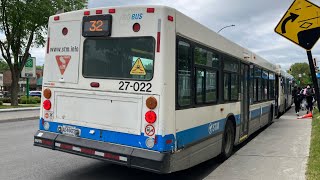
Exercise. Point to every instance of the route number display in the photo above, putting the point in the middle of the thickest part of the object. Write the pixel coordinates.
(96, 26)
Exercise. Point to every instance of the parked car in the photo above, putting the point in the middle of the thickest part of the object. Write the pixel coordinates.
(1, 95)
(35, 93)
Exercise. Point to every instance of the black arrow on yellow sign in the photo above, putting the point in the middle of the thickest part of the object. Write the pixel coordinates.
(292, 17)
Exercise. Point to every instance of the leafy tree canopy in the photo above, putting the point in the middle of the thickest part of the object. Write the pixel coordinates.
(24, 24)
(301, 72)
(3, 66)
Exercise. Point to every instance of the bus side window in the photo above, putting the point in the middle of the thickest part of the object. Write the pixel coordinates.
(258, 84)
(251, 89)
(184, 74)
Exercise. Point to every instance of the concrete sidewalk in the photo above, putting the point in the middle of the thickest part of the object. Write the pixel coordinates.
(19, 114)
(279, 152)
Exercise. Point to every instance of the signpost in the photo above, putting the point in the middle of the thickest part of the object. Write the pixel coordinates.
(29, 71)
(301, 25)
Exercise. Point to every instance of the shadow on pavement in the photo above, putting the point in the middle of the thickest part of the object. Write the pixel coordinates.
(103, 170)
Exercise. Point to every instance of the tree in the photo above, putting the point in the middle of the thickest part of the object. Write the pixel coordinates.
(24, 24)
(39, 67)
(3, 66)
(301, 72)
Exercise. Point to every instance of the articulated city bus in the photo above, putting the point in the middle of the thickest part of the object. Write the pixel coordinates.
(285, 85)
(148, 87)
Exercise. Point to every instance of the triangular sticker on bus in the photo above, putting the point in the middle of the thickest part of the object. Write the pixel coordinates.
(63, 62)
(137, 68)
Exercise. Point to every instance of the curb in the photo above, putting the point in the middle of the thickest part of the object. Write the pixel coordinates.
(19, 119)
(19, 109)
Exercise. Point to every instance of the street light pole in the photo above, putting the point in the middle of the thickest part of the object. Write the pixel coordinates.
(226, 27)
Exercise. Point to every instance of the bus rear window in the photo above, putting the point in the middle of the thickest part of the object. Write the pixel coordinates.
(119, 58)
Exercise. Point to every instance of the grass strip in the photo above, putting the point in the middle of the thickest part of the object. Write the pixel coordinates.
(313, 169)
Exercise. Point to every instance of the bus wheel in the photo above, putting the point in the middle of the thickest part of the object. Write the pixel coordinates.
(228, 140)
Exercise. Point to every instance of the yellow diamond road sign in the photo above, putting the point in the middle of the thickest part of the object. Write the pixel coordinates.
(301, 24)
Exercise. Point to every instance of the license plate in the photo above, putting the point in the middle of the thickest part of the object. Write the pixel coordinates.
(70, 130)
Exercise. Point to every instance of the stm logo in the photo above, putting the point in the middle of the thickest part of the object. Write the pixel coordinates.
(213, 127)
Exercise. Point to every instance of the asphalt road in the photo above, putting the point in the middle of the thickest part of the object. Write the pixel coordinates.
(21, 160)
(279, 151)
(18, 115)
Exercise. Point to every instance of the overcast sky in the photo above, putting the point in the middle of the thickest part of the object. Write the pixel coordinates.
(254, 22)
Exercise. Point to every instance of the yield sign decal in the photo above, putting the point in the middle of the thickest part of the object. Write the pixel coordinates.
(63, 62)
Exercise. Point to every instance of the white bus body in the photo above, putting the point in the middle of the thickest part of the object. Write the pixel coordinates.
(285, 84)
(97, 106)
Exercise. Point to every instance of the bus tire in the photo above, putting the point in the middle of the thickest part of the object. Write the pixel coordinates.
(227, 140)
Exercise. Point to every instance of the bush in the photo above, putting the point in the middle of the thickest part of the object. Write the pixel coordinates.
(37, 99)
(32, 100)
(6, 100)
(1, 103)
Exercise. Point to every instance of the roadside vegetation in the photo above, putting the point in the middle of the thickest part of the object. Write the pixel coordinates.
(5, 103)
(313, 169)
(23, 24)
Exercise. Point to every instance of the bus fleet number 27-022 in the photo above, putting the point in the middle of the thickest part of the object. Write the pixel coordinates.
(136, 86)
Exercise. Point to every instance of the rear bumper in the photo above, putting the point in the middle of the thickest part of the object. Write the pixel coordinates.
(123, 155)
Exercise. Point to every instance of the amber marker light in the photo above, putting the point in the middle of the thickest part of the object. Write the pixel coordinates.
(151, 102)
(47, 93)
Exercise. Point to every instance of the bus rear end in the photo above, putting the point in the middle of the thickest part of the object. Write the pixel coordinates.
(103, 86)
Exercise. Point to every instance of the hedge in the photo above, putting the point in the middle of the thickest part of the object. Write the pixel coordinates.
(32, 100)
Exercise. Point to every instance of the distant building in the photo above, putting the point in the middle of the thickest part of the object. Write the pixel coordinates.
(35, 83)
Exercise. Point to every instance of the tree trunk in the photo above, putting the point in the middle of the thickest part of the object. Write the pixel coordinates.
(14, 89)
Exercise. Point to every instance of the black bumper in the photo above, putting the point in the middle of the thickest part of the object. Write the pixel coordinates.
(136, 158)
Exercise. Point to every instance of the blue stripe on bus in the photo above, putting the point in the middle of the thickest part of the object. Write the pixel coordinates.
(266, 109)
(195, 134)
(132, 140)
(200, 132)
(183, 138)
(255, 113)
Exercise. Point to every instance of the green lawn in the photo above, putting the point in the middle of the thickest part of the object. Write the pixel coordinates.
(19, 106)
(313, 169)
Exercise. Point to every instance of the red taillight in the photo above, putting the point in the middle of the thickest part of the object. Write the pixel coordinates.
(47, 142)
(136, 27)
(158, 42)
(99, 11)
(65, 31)
(66, 146)
(112, 10)
(94, 84)
(86, 13)
(48, 45)
(151, 117)
(87, 151)
(170, 18)
(47, 104)
(150, 10)
(56, 18)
